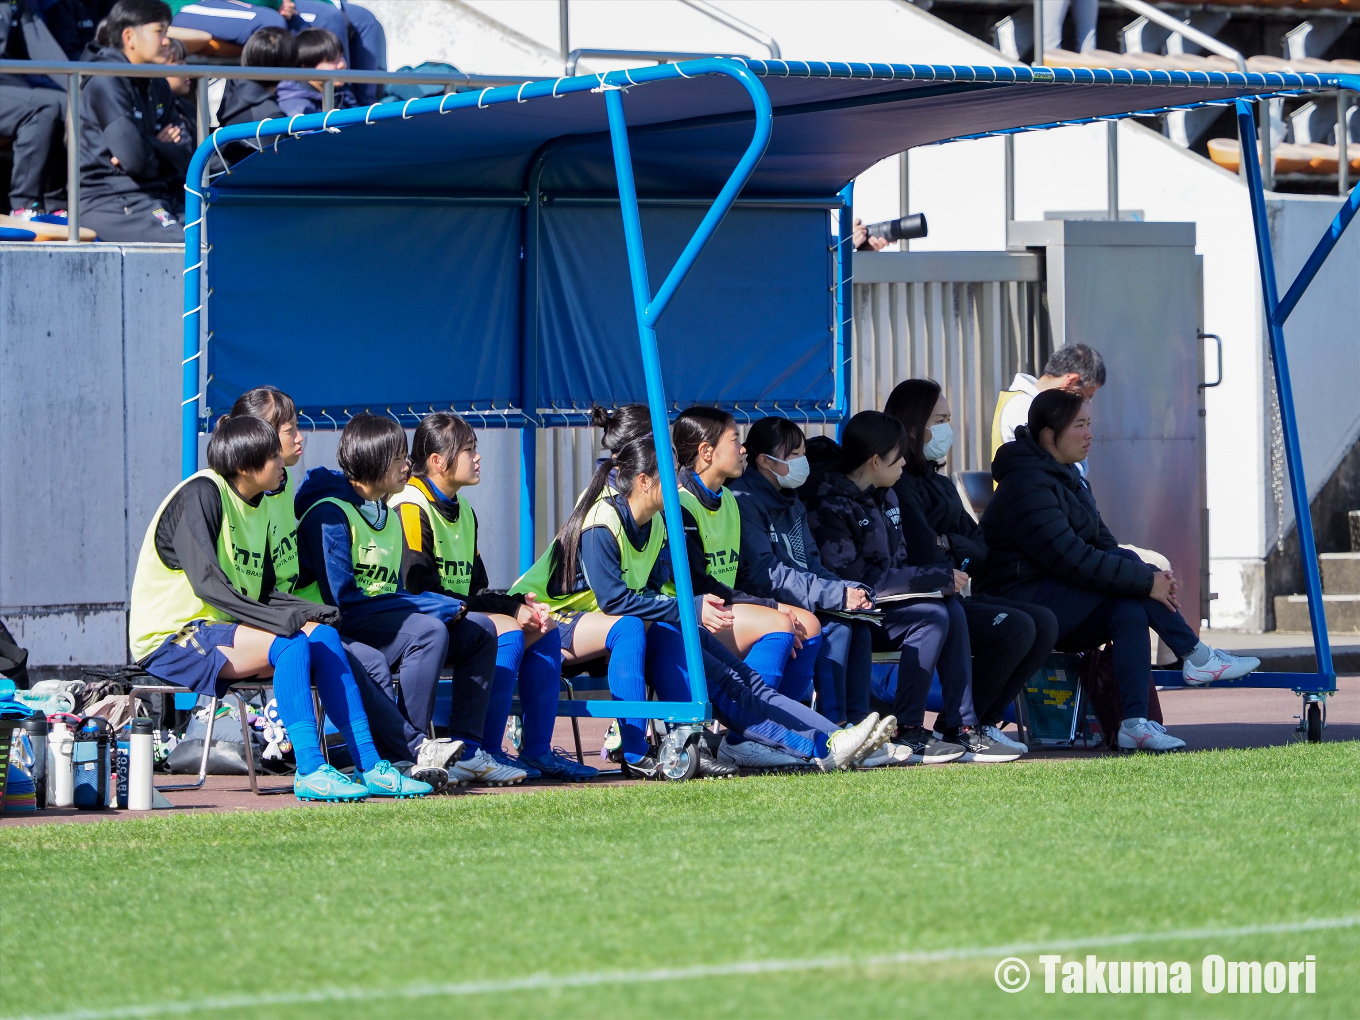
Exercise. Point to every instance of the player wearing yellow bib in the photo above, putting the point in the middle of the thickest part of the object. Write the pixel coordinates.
(440, 554)
(277, 408)
(603, 578)
(352, 544)
(778, 641)
(205, 612)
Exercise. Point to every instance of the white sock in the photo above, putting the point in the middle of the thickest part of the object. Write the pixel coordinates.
(1202, 654)
(1132, 724)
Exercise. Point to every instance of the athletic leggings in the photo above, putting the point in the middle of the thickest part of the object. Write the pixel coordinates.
(932, 635)
(1010, 641)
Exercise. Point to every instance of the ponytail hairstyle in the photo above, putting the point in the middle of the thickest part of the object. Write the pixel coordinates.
(695, 426)
(869, 433)
(622, 425)
(1054, 409)
(912, 403)
(267, 403)
(444, 433)
(636, 457)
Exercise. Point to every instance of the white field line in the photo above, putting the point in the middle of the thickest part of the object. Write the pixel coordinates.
(590, 979)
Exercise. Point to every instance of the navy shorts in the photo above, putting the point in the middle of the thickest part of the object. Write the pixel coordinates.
(193, 658)
(567, 619)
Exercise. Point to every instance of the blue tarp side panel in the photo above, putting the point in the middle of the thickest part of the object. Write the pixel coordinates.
(365, 306)
(751, 323)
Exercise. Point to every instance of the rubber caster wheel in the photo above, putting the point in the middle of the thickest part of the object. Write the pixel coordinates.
(1314, 722)
(678, 763)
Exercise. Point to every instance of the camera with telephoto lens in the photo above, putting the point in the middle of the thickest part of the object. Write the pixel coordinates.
(907, 228)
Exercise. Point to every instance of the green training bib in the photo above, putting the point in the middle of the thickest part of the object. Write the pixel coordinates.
(720, 531)
(455, 542)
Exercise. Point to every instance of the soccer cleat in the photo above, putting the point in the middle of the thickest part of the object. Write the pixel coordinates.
(436, 777)
(555, 765)
(751, 754)
(438, 753)
(887, 755)
(712, 768)
(646, 767)
(1221, 666)
(927, 748)
(881, 733)
(482, 768)
(843, 746)
(516, 763)
(1146, 735)
(979, 748)
(328, 784)
(994, 734)
(384, 780)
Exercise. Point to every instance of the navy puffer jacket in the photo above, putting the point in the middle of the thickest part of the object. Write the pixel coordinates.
(1043, 522)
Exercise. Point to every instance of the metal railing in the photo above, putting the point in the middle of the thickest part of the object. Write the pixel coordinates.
(660, 56)
(737, 25)
(76, 71)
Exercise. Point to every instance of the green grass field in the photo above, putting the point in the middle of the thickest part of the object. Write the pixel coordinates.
(869, 894)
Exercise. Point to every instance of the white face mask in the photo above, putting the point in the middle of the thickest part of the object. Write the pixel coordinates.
(941, 439)
(798, 472)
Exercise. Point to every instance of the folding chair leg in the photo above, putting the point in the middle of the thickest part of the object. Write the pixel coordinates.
(203, 762)
(321, 726)
(249, 750)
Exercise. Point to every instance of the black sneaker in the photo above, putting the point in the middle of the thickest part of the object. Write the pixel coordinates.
(645, 768)
(927, 748)
(979, 747)
(711, 768)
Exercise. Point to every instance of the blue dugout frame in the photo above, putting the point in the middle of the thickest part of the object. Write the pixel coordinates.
(649, 308)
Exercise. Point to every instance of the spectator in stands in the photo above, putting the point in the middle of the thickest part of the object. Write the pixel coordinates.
(440, 553)
(320, 49)
(133, 149)
(1010, 640)
(185, 90)
(205, 612)
(1047, 544)
(392, 733)
(779, 560)
(1084, 14)
(363, 42)
(603, 578)
(352, 545)
(1075, 366)
(854, 516)
(31, 111)
(245, 101)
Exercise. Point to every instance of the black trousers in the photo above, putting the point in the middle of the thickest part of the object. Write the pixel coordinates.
(32, 118)
(1011, 641)
(134, 218)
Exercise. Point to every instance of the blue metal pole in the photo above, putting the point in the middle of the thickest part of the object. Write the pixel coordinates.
(845, 302)
(193, 264)
(1303, 519)
(656, 399)
(1343, 218)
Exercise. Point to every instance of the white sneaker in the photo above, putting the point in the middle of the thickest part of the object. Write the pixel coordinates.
(751, 754)
(845, 747)
(888, 755)
(994, 734)
(1146, 735)
(482, 768)
(438, 753)
(1221, 666)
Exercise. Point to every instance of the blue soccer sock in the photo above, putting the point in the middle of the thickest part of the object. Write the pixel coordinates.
(667, 670)
(509, 654)
(540, 686)
(799, 670)
(291, 660)
(340, 695)
(768, 656)
(627, 647)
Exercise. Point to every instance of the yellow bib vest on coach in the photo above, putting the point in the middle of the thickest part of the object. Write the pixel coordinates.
(720, 531)
(283, 538)
(637, 564)
(163, 601)
(455, 542)
(375, 555)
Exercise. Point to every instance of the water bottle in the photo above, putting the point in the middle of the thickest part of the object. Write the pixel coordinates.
(60, 771)
(140, 763)
(35, 728)
(93, 764)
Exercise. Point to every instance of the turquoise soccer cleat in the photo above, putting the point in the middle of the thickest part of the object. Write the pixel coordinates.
(383, 780)
(328, 784)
